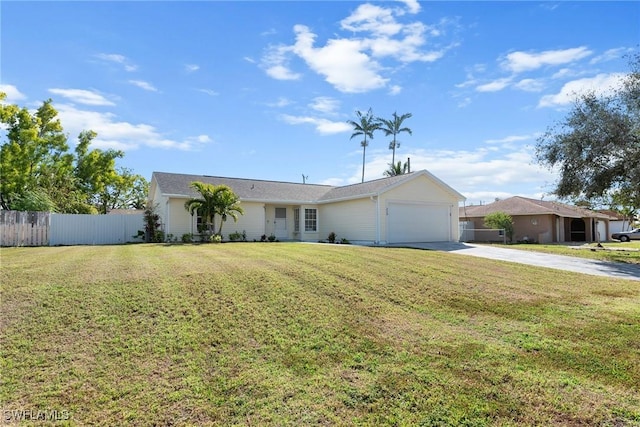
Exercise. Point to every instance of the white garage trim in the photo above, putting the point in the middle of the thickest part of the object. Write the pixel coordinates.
(409, 222)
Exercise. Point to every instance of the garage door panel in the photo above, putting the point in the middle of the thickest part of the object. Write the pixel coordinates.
(409, 222)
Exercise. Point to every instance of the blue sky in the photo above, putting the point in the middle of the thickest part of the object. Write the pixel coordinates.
(264, 89)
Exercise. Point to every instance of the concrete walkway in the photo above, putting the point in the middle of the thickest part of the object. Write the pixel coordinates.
(560, 262)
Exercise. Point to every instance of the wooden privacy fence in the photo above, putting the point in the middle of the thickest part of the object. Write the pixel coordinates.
(51, 229)
(24, 228)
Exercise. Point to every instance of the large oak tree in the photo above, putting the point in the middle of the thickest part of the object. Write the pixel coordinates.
(596, 148)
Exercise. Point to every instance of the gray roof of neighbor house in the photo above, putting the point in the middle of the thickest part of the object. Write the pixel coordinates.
(179, 185)
(518, 205)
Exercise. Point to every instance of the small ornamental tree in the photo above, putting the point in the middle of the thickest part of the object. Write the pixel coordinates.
(500, 220)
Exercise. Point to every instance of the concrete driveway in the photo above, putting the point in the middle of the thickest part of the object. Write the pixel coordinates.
(560, 262)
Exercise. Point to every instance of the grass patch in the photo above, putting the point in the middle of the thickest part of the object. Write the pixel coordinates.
(628, 252)
(296, 334)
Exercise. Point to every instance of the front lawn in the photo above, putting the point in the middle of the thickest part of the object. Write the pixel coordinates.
(307, 334)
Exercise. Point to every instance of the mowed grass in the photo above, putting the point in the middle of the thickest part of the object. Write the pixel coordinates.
(308, 334)
(627, 252)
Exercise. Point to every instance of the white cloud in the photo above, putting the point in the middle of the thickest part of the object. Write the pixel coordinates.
(325, 104)
(610, 55)
(494, 86)
(118, 59)
(478, 174)
(322, 126)
(602, 84)
(518, 62)
(374, 19)
(395, 90)
(143, 85)
(120, 135)
(412, 5)
(340, 61)
(13, 94)
(281, 102)
(82, 96)
(209, 92)
(530, 85)
(355, 64)
(190, 68)
(276, 63)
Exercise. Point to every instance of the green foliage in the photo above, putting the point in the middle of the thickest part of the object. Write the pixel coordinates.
(215, 200)
(397, 169)
(152, 231)
(364, 126)
(596, 147)
(394, 127)
(500, 220)
(39, 170)
(235, 236)
(332, 237)
(187, 238)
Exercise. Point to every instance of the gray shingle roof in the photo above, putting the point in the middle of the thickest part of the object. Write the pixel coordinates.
(179, 185)
(524, 206)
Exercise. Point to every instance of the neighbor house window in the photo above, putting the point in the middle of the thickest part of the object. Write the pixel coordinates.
(310, 220)
(296, 220)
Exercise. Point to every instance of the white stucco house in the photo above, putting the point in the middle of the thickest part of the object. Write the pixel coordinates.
(415, 207)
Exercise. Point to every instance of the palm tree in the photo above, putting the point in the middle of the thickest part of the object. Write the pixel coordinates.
(365, 126)
(397, 169)
(394, 127)
(227, 205)
(205, 206)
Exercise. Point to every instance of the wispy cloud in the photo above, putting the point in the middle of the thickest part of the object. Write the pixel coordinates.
(82, 96)
(325, 104)
(117, 59)
(322, 126)
(209, 92)
(143, 85)
(190, 68)
(122, 135)
(602, 84)
(518, 62)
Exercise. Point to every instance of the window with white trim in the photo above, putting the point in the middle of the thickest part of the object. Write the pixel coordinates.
(310, 220)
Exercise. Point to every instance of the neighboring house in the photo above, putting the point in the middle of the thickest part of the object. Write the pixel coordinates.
(539, 221)
(415, 207)
(618, 222)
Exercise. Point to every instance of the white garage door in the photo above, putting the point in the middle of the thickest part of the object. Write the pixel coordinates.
(411, 222)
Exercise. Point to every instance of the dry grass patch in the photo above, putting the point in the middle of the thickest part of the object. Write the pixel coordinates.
(295, 334)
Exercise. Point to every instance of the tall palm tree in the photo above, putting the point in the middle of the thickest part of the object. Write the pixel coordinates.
(394, 127)
(227, 205)
(365, 126)
(205, 206)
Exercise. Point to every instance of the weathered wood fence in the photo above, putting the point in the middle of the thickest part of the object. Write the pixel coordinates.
(51, 229)
(24, 228)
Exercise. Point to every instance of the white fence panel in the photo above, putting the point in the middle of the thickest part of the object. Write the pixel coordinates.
(24, 228)
(72, 229)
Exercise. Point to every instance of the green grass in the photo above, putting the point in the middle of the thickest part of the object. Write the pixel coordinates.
(628, 252)
(301, 334)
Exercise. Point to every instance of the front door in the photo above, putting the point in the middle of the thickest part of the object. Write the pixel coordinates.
(280, 224)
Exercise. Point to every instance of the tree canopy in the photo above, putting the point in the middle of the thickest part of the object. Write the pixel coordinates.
(39, 172)
(500, 220)
(596, 148)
